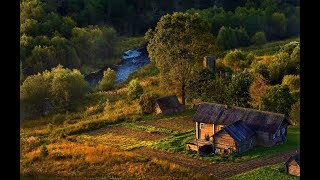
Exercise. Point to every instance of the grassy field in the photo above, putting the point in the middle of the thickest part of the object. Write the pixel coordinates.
(269, 48)
(177, 144)
(70, 159)
(274, 172)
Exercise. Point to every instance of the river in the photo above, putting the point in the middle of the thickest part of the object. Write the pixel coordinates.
(131, 61)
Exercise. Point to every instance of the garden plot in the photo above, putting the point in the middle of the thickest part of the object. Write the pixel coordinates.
(180, 124)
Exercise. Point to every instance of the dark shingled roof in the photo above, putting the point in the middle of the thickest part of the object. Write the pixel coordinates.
(169, 103)
(239, 131)
(295, 157)
(254, 119)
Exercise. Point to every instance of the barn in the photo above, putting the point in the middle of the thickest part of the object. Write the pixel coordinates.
(270, 128)
(236, 137)
(168, 105)
(292, 166)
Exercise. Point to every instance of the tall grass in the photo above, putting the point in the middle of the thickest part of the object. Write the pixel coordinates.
(75, 160)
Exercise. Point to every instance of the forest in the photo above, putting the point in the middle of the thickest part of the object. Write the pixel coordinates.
(87, 34)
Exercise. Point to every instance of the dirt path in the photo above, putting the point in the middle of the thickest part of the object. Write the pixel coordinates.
(219, 170)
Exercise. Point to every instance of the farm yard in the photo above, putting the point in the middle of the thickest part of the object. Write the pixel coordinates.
(159, 143)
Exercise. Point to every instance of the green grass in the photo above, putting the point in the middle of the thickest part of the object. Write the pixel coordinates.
(126, 43)
(265, 173)
(292, 143)
(177, 143)
(269, 48)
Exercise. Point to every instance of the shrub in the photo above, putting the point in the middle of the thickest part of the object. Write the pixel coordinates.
(108, 80)
(44, 151)
(295, 113)
(259, 38)
(58, 90)
(146, 102)
(292, 81)
(134, 90)
(277, 99)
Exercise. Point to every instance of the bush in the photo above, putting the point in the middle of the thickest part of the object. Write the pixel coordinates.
(54, 91)
(108, 80)
(134, 90)
(238, 60)
(277, 99)
(292, 81)
(295, 113)
(44, 151)
(146, 102)
(259, 38)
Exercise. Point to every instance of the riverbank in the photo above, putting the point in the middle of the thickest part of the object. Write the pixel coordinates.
(126, 66)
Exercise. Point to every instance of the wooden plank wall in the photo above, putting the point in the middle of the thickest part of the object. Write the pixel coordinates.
(224, 141)
(207, 130)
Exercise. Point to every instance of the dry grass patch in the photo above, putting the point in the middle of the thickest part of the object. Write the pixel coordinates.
(75, 160)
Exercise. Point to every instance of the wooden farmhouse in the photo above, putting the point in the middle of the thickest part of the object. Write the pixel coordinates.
(293, 165)
(168, 105)
(235, 129)
(236, 137)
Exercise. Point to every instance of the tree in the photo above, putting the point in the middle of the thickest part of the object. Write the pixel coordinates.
(278, 67)
(292, 81)
(135, 90)
(259, 68)
(295, 113)
(218, 90)
(108, 80)
(259, 38)
(198, 87)
(276, 26)
(227, 38)
(238, 89)
(68, 87)
(177, 47)
(257, 90)
(238, 60)
(146, 102)
(230, 38)
(277, 99)
(34, 93)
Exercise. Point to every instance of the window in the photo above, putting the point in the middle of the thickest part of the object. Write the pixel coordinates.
(283, 130)
(278, 133)
(273, 136)
(201, 125)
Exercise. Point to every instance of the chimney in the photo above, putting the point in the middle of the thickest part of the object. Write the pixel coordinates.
(209, 62)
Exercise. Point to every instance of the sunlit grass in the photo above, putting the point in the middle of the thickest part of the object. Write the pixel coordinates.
(265, 173)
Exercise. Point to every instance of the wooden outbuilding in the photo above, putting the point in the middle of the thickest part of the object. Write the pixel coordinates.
(292, 166)
(269, 128)
(168, 105)
(234, 138)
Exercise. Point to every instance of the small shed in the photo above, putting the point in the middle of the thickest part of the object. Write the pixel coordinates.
(168, 105)
(292, 166)
(236, 137)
